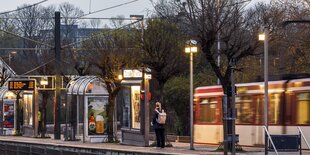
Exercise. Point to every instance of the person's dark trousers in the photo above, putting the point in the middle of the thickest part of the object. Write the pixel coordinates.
(39, 128)
(160, 137)
(157, 132)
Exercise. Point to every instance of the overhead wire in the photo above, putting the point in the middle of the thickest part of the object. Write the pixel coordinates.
(38, 67)
(68, 45)
(108, 8)
(18, 9)
(28, 6)
(115, 6)
(79, 17)
(25, 49)
(26, 38)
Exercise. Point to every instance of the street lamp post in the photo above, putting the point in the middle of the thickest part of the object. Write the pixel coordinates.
(139, 18)
(264, 37)
(191, 47)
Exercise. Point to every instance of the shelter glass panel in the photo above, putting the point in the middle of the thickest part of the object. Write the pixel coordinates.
(27, 109)
(126, 107)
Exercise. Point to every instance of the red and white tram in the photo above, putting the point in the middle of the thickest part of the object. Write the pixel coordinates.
(289, 107)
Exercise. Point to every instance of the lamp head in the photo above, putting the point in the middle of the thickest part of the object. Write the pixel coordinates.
(261, 37)
(191, 46)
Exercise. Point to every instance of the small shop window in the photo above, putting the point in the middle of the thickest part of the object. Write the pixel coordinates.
(303, 108)
(208, 110)
(245, 113)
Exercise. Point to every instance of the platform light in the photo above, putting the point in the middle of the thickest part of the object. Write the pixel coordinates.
(120, 77)
(44, 81)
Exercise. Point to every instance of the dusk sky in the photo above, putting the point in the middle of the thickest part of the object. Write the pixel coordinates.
(138, 7)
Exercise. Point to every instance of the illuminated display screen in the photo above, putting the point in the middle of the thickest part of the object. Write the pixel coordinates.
(22, 85)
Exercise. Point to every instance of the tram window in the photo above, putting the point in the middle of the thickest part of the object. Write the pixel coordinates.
(303, 108)
(208, 110)
(259, 109)
(274, 108)
(245, 112)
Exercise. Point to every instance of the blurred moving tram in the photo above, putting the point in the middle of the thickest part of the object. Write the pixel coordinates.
(289, 107)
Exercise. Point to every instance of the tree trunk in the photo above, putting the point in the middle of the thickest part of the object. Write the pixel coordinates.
(161, 92)
(110, 112)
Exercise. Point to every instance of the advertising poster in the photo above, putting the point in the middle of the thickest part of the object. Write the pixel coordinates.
(8, 113)
(97, 115)
(135, 101)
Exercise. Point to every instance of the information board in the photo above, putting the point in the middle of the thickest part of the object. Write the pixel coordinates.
(21, 85)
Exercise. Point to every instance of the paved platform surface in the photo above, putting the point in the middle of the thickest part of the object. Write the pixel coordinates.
(177, 149)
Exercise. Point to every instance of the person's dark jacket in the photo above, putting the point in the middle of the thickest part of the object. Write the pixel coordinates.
(156, 125)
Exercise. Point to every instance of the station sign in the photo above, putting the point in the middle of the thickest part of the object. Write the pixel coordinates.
(21, 84)
(132, 73)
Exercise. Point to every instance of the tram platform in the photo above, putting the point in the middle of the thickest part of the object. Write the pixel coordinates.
(51, 146)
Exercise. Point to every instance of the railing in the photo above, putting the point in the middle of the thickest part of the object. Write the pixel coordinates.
(303, 136)
(275, 150)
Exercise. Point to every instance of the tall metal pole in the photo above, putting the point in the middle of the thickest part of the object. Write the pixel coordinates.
(266, 87)
(58, 80)
(191, 101)
(233, 113)
(218, 41)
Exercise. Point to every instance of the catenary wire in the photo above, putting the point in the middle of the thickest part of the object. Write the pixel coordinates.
(23, 7)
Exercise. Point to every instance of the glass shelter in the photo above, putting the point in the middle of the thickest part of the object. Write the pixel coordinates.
(86, 102)
(17, 98)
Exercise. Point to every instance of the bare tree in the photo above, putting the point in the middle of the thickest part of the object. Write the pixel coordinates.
(162, 46)
(109, 53)
(203, 20)
(293, 40)
(95, 23)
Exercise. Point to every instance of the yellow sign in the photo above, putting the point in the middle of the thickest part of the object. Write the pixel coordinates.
(21, 85)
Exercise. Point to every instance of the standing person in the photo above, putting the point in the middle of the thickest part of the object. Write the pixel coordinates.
(158, 127)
